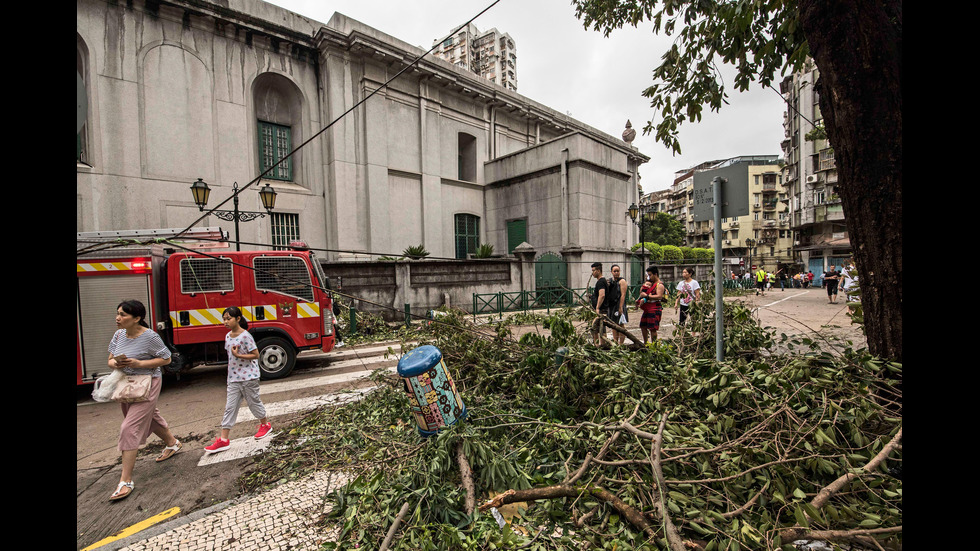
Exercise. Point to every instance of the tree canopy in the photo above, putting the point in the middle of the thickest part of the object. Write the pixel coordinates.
(757, 38)
(662, 228)
(857, 48)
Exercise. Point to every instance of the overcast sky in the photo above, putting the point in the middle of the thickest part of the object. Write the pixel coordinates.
(598, 80)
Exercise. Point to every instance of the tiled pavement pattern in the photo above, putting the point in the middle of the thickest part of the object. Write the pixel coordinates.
(281, 518)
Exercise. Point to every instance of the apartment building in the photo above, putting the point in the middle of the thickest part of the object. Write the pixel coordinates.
(761, 238)
(816, 214)
(490, 54)
(655, 201)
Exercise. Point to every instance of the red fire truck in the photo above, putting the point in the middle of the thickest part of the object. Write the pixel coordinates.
(283, 295)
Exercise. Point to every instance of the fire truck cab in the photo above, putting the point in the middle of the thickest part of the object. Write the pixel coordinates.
(283, 295)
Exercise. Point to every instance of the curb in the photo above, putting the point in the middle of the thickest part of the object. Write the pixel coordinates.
(171, 524)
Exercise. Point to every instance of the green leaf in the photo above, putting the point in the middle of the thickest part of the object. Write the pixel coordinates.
(800, 517)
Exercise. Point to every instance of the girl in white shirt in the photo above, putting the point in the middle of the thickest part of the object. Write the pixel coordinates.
(243, 379)
(688, 292)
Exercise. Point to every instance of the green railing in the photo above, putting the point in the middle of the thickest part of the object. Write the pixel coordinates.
(546, 299)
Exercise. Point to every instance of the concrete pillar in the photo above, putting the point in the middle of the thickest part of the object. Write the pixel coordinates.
(578, 273)
(526, 253)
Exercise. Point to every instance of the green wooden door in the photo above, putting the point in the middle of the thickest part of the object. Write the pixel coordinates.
(516, 234)
(551, 279)
(637, 276)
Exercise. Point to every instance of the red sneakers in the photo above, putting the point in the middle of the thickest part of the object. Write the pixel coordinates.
(263, 431)
(218, 446)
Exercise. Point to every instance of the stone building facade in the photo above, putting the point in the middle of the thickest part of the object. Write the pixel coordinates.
(180, 90)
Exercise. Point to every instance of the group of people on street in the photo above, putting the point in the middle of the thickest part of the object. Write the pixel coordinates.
(844, 280)
(834, 281)
(802, 280)
(609, 299)
(139, 351)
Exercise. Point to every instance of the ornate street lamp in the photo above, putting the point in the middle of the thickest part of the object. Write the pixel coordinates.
(750, 243)
(267, 194)
(633, 211)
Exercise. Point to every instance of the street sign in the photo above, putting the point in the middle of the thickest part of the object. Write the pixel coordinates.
(734, 192)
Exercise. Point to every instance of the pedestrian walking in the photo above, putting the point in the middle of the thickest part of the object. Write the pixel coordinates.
(652, 294)
(599, 302)
(689, 292)
(849, 282)
(831, 278)
(618, 289)
(137, 350)
(809, 279)
(781, 273)
(243, 379)
(760, 281)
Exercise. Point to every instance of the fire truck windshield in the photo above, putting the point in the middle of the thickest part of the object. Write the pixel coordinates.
(318, 272)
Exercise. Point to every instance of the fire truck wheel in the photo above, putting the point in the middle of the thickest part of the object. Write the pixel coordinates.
(276, 357)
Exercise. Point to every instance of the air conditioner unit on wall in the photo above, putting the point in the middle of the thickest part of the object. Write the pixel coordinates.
(812, 179)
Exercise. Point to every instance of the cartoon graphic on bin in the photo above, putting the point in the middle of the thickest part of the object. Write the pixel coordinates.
(431, 390)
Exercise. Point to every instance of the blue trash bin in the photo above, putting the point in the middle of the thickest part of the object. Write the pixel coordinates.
(431, 391)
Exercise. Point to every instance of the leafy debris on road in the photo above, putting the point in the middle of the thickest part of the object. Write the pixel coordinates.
(658, 448)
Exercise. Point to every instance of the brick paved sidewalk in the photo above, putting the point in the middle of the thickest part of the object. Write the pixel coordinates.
(280, 518)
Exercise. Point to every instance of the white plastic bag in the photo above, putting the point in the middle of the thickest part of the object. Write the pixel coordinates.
(105, 384)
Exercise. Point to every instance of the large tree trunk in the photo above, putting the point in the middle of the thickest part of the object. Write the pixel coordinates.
(857, 46)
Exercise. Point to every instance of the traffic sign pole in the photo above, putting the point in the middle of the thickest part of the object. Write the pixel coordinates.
(716, 184)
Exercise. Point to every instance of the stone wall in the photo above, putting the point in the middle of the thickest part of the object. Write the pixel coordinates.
(386, 287)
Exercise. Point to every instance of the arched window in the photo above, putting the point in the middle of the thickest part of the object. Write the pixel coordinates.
(466, 152)
(278, 113)
(81, 144)
(467, 234)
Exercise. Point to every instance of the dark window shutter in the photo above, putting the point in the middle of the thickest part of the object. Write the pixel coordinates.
(516, 234)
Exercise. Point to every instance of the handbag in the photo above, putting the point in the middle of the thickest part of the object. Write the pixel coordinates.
(132, 388)
(105, 385)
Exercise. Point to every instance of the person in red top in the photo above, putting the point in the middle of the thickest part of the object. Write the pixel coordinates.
(651, 294)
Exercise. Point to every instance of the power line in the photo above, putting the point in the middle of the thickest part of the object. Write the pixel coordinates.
(121, 243)
(344, 114)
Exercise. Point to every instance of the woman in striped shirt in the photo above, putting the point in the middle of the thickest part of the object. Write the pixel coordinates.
(137, 350)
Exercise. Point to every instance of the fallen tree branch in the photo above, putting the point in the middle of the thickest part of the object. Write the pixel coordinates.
(748, 504)
(394, 527)
(861, 535)
(826, 492)
(637, 342)
(558, 491)
(467, 475)
(673, 537)
(836, 485)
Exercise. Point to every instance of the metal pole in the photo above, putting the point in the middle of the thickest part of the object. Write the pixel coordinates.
(238, 245)
(716, 184)
(643, 250)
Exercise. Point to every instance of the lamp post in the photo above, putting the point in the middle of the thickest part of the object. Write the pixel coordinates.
(633, 212)
(749, 244)
(267, 194)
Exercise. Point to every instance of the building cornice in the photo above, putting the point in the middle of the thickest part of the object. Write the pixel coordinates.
(350, 35)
